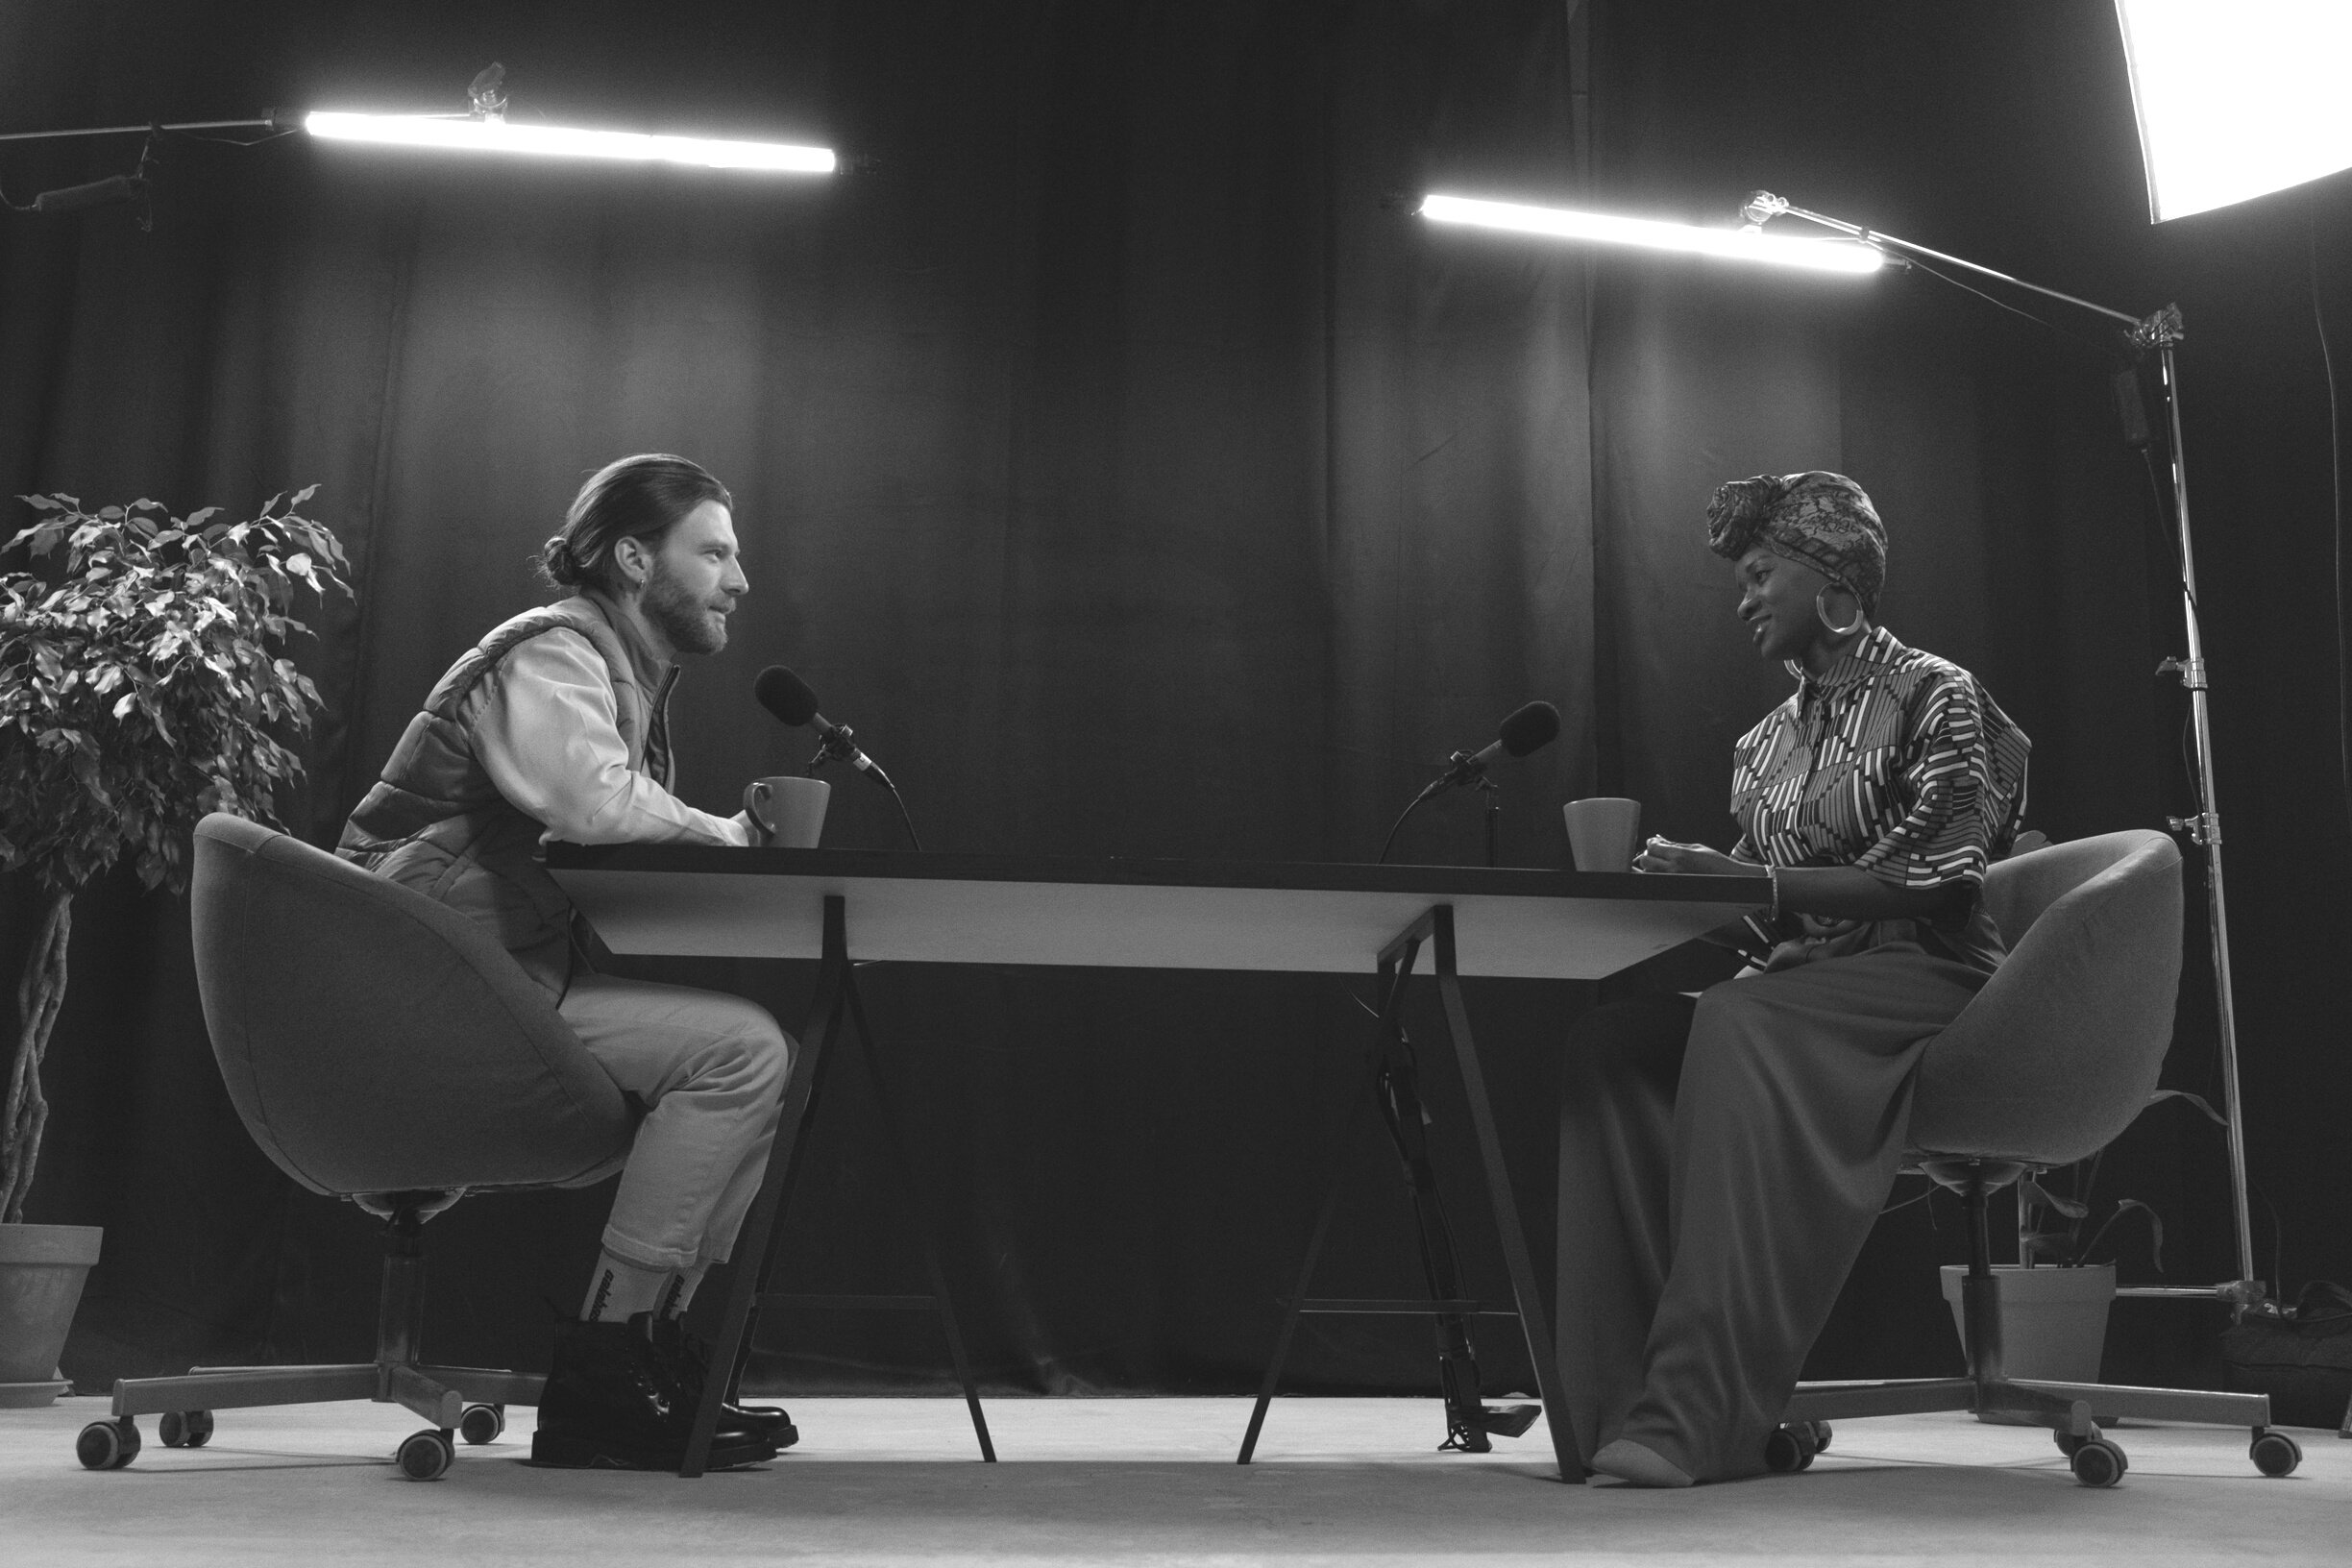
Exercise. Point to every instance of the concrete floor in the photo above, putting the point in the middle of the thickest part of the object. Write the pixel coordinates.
(1143, 1481)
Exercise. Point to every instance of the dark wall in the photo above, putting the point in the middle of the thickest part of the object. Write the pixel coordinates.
(1139, 484)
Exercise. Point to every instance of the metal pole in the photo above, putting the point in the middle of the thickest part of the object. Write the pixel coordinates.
(273, 123)
(2205, 828)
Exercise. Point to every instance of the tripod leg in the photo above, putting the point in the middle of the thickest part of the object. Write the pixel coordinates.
(1391, 988)
(756, 1243)
(1338, 1188)
(924, 1220)
(1400, 1102)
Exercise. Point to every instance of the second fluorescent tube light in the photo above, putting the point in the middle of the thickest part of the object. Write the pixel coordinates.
(495, 136)
(1738, 244)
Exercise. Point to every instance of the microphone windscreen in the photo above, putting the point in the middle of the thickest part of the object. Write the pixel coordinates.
(787, 697)
(1531, 728)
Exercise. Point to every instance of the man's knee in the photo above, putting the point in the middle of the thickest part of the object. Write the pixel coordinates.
(769, 1052)
(758, 1052)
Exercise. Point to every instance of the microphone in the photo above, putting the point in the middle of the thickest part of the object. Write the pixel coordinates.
(1529, 728)
(1762, 208)
(789, 698)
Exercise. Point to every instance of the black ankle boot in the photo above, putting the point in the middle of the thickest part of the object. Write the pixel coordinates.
(614, 1400)
(689, 1354)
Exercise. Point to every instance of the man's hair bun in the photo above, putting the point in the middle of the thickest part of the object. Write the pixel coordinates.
(561, 566)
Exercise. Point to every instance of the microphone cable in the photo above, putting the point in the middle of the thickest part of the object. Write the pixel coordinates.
(1389, 842)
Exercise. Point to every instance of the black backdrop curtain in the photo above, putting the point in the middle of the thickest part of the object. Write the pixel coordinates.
(1141, 482)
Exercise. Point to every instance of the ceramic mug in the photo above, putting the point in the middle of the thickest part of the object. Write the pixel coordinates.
(788, 808)
(1604, 832)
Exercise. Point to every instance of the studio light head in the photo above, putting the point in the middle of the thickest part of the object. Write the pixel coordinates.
(485, 129)
(1745, 244)
(2237, 100)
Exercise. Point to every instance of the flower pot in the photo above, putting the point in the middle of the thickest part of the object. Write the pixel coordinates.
(42, 1271)
(2054, 1320)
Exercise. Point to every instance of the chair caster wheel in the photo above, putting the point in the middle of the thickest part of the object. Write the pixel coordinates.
(427, 1455)
(1791, 1449)
(1822, 1433)
(2274, 1453)
(185, 1428)
(482, 1423)
(2099, 1462)
(2067, 1443)
(108, 1445)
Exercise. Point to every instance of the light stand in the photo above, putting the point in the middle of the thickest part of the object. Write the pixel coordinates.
(2160, 332)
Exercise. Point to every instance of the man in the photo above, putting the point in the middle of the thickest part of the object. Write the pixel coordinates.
(556, 728)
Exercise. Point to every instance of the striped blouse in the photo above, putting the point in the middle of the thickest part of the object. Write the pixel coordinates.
(1894, 761)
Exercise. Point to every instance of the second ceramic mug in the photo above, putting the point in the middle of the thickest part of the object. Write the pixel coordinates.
(790, 808)
(1602, 832)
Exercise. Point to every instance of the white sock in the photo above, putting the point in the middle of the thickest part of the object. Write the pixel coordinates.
(678, 1291)
(620, 1289)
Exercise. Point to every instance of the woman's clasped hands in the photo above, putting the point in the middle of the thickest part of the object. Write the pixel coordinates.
(1659, 854)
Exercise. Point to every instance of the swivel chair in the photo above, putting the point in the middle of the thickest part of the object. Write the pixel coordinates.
(383, 1049)
(2047, 1066)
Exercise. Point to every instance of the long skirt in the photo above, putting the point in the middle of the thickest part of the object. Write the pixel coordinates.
(1721, 1164)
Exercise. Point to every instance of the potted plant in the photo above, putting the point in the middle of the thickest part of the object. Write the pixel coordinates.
(143, 682)
(2054, 1299)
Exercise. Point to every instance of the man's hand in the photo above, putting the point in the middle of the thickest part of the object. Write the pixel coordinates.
(1691, 860)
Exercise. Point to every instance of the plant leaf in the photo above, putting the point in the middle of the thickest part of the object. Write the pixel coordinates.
(2036, 1192)
(2197, 1100)
(2155, 1227)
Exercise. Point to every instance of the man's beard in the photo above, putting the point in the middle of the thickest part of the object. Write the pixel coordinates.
(688, 622)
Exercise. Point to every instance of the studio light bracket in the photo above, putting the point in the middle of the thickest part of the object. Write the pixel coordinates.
(488, 92)
(2192, 673)
(2162, 330)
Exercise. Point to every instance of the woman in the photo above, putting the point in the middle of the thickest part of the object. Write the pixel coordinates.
(1722, 1159)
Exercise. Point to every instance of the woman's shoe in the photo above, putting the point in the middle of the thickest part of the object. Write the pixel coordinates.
(1628, 1462)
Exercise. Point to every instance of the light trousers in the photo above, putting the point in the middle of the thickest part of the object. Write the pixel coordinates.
(1722, 1162)
(710, 1069)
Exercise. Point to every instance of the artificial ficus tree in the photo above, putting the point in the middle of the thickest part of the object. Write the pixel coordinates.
(143, 682)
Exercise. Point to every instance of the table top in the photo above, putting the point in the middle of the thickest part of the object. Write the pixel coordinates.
(712, 901)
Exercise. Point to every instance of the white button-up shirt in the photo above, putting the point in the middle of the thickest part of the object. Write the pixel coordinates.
(549, 737)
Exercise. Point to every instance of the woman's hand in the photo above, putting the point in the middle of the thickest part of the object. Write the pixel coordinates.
(1691, 860)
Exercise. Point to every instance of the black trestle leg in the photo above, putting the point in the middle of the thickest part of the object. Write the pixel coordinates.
(1469, 1422)
(835, 1012)
(1395, 968)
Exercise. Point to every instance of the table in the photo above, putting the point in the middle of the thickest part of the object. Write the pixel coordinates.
(833, 904)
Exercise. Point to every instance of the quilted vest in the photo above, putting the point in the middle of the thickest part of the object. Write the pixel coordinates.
(435, 823)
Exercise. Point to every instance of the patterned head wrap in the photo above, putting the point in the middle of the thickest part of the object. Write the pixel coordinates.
(1816, 519)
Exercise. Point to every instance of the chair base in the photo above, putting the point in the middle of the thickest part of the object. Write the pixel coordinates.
(2062, 1407)
(440, 1394)
(2066, 1408)
(471, 1400)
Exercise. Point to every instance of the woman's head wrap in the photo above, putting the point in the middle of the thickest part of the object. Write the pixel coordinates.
(1816, 519)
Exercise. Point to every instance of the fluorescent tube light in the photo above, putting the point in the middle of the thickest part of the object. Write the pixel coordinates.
(555, 142)
(2236, 100)
(1739, 244)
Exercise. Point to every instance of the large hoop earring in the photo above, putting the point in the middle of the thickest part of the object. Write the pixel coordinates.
(1832, 628)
